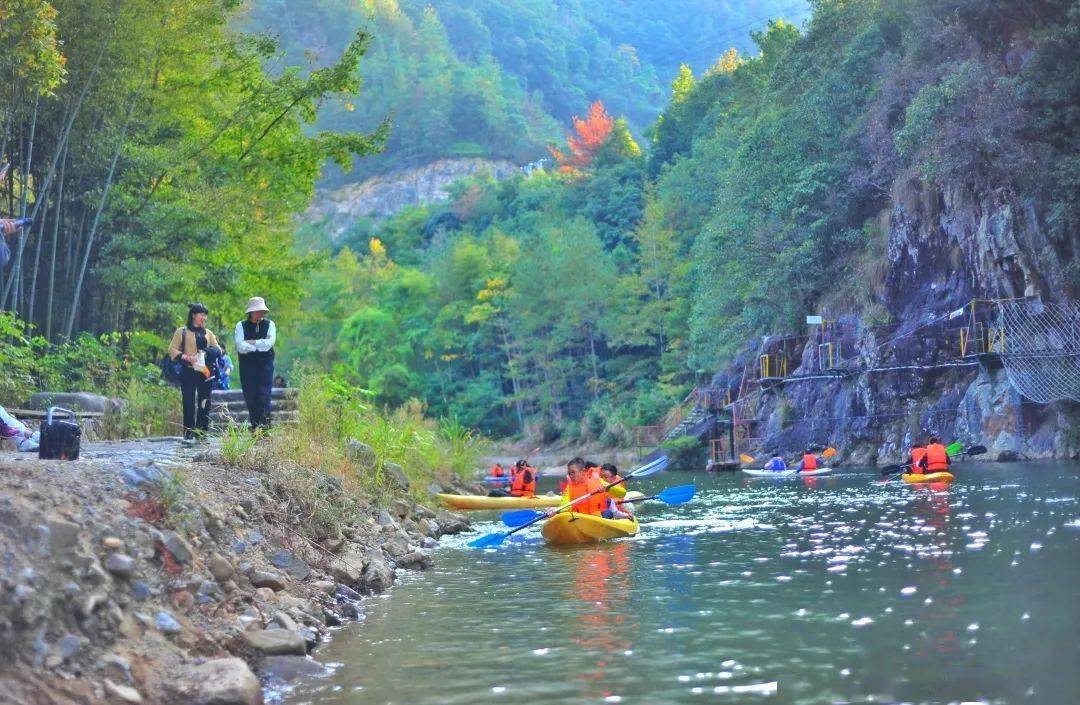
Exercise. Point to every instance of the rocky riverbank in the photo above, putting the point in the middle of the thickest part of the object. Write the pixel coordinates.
(148, 571)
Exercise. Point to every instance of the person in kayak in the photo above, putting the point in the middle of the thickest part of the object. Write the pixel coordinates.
(918, 452)
(936, 458)
(497, 470)
(776, 463)
(609, 473)
(582, 483)
(809, 461)
(524, 480)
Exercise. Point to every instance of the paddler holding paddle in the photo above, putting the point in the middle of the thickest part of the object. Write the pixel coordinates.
(583, 483)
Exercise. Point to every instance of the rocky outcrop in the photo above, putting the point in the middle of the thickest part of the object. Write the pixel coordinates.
(382, 196)
(946, 246)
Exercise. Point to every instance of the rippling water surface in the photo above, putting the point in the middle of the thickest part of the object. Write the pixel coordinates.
(812, 590)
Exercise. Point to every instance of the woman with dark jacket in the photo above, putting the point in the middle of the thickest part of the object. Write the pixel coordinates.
(198, 350)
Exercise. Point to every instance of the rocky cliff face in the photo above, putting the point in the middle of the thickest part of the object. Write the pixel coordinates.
(382, 196)
(946, 247)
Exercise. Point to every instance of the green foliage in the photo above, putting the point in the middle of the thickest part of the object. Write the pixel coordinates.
(167, 161)
(496, 78)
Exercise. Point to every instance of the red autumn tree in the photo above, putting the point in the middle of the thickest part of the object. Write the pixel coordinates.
(585, 141)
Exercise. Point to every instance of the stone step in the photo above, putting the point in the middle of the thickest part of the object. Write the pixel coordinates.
(286, 404)
(238, 394)
(277, 417)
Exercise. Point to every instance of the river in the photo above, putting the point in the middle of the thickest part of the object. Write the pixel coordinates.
(814, 590)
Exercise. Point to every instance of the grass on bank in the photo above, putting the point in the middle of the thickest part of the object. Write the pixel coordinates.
(310, 464)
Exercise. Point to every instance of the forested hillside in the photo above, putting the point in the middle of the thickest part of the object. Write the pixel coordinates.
(589, 297)
(499, 78)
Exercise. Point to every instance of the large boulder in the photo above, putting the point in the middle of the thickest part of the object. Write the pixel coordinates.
(395, 475)
(378, 574)
(348, 567)
(362, 454)
(223, 681)
(450, 523)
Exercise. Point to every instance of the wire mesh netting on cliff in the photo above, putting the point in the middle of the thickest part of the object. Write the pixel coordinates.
(1041, 348)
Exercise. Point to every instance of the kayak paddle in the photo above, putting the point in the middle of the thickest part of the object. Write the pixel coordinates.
(672, 495)
(496, 539)
(680, 494)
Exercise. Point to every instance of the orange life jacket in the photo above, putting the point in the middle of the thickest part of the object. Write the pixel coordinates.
(937, 459)
(522, 488)
(593, 505)
(497, 471)
(809, 461)
(917, 454)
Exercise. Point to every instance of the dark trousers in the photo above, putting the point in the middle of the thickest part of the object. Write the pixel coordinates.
(257, 379)
(195, 397)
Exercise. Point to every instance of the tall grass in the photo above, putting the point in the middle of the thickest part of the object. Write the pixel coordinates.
(331, 415)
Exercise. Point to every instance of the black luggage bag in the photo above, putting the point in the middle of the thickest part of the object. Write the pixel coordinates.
(59, 438)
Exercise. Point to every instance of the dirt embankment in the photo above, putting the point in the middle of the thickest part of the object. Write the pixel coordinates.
(148, 572)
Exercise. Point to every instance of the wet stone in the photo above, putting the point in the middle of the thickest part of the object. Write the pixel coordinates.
(292, 564)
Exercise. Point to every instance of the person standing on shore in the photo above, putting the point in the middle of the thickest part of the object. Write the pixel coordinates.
(197, 348)
(255, 337)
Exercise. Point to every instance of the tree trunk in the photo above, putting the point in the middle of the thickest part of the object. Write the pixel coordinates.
(97, 218)
(16, 266)
(57, 217)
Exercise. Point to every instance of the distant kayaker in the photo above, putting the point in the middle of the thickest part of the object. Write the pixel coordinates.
(918, 452)
(497, 470)
(523, 483)
(776, 462)
(809, 461)
(936, 458)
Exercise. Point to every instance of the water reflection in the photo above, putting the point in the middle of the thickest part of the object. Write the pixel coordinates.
(817, 590)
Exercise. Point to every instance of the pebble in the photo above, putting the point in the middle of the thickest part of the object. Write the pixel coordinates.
(112, 543)
(166, 623)
(68, 646)
(124, 693)
(220, 568)
(177, 547)
(267, 579)
(120, 565)
(140, 590)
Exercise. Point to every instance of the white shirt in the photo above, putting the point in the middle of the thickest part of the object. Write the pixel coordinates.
(263, 345)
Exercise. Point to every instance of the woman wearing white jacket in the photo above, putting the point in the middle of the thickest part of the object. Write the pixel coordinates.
(255, 337)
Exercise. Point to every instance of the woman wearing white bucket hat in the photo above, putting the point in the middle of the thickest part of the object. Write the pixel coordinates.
(255, 337)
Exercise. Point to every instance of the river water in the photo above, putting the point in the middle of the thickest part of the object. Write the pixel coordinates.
(812, 590)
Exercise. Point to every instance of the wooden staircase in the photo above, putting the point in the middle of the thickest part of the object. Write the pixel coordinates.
(228, 407)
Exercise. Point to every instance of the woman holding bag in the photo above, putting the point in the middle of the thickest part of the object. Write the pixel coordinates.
(196, 348)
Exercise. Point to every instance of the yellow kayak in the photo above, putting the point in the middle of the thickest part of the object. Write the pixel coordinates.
(471, 501)
(478, 502)
(569, 528)
(921, 479)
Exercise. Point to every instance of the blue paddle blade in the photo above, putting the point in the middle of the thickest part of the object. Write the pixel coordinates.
(677, 495)
(520, 517)
(488, 540)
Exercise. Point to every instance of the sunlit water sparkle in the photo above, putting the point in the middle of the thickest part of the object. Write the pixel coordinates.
(816, 590)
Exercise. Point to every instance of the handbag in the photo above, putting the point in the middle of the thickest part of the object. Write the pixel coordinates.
(172, 369)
